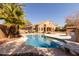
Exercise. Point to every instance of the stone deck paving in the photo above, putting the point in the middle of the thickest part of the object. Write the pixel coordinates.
(73, 47)
(17, 47)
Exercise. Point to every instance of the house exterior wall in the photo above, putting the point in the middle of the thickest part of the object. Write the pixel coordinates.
(77, 31)
(69, 30)
(77, 35)
(41, 28)
(46, 27)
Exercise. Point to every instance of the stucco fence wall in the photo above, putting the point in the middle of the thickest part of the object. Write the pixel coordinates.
(2, 35)
(77, 35)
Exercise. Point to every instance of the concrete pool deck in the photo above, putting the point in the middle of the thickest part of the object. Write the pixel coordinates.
(58, 36)
(71, 45)
(18, 46)
(55, 35)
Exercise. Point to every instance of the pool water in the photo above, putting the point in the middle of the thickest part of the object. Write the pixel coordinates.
(41, 41)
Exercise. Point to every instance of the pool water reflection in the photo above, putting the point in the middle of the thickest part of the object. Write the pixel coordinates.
(41, 41)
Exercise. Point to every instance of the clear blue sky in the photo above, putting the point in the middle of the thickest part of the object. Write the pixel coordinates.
(55, 12)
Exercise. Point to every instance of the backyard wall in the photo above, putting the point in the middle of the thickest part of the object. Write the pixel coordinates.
(3, 29)
(1, 34)
(77, 35)
(69, 30)
(72, 32)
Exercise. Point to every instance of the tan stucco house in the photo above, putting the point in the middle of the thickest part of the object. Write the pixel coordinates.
(44, 27)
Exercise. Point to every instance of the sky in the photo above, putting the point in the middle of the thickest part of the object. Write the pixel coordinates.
(56, 12)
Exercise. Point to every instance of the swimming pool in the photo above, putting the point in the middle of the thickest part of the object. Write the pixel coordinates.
(42, 41)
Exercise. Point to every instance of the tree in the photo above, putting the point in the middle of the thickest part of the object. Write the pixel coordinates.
(12, 13)
(25, 23)
(70, 21)
(58, 28)
(73, 20)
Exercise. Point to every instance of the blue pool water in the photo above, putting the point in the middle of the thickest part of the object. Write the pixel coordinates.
(41, 41)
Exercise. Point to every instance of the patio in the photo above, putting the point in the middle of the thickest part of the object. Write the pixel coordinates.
(18, 47)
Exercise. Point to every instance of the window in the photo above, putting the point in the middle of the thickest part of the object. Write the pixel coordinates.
(41, 29)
